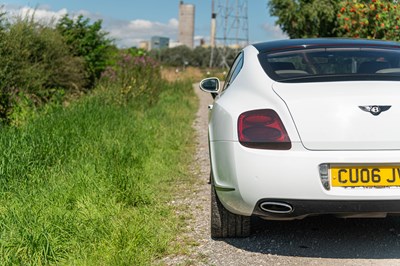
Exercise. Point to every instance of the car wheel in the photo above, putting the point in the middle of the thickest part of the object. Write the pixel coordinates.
(225, 223)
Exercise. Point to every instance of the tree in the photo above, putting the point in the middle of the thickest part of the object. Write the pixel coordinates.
(306, 18)
(372, 19)
(88, 41)
(179, 56)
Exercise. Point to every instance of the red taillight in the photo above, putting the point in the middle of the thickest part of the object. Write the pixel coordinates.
(263, 129)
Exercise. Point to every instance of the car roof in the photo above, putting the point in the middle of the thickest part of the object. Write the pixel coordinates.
(294, 44)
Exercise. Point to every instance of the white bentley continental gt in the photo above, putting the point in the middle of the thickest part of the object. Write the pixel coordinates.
(305, 127)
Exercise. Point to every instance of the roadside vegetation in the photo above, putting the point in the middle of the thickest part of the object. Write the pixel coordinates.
(370, 19)
(92, 149)
(42, 64)
(89, 184)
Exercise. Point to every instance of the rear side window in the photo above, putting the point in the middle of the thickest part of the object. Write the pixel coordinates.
(234, 71)
(332, 64)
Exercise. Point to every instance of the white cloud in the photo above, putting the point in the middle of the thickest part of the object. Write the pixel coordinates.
(273, 32)
(130, 33)
(42, 14)
(140, 24)
(125, 33)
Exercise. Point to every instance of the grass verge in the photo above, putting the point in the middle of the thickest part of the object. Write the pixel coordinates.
(89, 184)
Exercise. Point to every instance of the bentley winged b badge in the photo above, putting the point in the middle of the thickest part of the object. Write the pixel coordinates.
(375, 109)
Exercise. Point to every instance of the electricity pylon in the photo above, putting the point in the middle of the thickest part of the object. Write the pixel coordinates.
(229, 28)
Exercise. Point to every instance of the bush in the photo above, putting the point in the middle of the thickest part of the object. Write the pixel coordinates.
(373, 19)
(35, 64)
(87, 41)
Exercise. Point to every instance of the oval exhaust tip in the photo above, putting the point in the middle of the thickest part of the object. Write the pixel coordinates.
(276, 207)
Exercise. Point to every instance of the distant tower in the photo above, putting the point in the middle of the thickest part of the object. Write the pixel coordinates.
(231, 30)
(186, 24)
(213, 26)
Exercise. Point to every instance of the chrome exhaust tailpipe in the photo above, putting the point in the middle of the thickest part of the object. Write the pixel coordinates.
(276, 207)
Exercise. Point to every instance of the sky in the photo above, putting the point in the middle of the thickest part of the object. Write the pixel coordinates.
(131, 21)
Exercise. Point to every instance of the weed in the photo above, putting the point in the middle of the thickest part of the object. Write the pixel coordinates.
(89, 184)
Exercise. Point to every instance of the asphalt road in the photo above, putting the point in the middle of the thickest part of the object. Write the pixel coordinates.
(326, 240)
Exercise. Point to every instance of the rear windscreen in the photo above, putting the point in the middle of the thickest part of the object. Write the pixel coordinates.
(332, 64)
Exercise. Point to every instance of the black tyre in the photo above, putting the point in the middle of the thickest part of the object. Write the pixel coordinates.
(225, 223)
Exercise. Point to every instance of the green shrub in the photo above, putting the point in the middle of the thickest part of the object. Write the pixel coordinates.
(35, 65)
(88, 41)
(373, 19)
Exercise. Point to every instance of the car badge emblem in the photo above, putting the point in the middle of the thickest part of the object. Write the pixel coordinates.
(375, 109)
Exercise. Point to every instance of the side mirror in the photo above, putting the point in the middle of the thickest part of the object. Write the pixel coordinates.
(211, 85)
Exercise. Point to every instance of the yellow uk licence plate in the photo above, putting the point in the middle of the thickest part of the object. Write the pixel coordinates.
(365, 176)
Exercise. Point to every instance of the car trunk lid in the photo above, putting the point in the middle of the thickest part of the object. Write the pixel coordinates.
(336, 115)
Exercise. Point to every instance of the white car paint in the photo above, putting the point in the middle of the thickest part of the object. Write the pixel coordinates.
(325, 126)
(328, 117)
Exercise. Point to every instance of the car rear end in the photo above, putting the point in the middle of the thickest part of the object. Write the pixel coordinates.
(309, 129)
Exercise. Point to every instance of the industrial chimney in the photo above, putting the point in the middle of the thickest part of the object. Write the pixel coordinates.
(186, 24)
(213, 26)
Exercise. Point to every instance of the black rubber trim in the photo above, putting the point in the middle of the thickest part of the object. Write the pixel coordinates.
(318, 207)
(223, 188)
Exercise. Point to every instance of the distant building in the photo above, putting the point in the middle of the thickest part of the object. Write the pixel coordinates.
(144, 45)
(158, 43)
(173, 44)
(186, 24)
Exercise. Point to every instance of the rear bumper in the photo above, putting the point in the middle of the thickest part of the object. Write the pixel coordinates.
(343, 208)
(245, 176)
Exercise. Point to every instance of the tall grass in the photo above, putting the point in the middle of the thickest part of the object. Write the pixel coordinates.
(89, 184)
